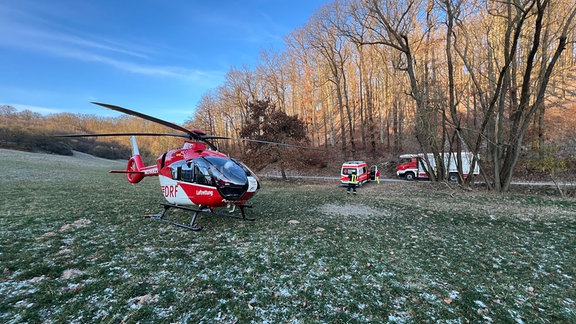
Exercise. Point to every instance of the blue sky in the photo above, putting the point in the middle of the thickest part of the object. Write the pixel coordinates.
(155, 56)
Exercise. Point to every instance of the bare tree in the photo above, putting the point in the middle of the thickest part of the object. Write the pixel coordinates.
(324, 38)
(394, 24)
(509, 111)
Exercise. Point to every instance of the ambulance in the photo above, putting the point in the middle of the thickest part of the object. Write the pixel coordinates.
(360, 168)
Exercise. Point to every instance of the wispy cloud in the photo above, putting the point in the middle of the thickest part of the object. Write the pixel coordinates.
(19, 28)
(82, 54)
(20, 31)
(37, 109)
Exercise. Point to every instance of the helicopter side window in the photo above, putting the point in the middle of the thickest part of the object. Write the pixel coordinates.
(187, 173)
(175, 171)
(182, 171)
(194, 171)
(202, 175)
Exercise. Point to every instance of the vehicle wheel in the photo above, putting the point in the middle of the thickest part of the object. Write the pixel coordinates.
(453, 177)
(409, 176)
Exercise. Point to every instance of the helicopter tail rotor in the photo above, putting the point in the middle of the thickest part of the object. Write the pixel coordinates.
(135, 169)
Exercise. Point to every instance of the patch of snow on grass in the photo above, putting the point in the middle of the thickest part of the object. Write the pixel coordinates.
(80, 223)
(71, 273)
(137, 302)
(480, 304)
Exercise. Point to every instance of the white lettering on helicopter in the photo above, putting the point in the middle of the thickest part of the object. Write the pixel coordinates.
(154, 170)
(170, 191)
(205, 193)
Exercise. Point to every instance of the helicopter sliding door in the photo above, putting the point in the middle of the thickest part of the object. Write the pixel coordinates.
(189, 183)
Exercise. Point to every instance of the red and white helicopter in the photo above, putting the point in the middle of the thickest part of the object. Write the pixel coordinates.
(196, 178)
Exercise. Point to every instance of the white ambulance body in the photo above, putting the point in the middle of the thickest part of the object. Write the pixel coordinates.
(360, 168)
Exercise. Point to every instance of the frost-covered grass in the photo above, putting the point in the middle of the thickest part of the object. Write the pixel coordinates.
(75, 247)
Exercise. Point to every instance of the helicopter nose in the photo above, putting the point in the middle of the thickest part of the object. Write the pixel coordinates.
(230, 191)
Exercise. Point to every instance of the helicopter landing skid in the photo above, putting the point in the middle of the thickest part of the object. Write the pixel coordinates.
(242, 213)
(193, 226)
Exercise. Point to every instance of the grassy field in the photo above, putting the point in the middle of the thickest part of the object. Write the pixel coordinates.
(75, 247)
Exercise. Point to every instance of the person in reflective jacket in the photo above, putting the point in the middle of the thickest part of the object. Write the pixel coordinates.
(352, 180)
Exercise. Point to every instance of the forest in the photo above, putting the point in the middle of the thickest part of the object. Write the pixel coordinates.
(372, 79)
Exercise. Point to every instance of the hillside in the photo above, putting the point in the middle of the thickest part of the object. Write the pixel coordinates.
(43, 167)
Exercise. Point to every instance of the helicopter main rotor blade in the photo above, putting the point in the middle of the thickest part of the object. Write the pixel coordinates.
(123, 134)
(150, 118)
(191, 134)
(259, 141)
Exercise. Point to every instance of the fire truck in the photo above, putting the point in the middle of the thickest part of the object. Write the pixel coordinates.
(363, 173)
(413, 166)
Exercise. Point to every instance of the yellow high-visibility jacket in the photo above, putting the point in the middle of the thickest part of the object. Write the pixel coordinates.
(352, 179)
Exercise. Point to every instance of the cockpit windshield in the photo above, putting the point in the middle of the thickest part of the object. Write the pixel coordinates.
(225, 170)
